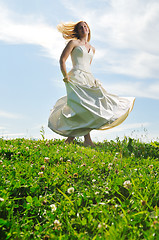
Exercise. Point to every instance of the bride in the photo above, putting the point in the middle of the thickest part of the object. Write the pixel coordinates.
(87, 105)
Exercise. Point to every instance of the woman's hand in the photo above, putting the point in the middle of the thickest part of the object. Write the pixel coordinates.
(66, 79)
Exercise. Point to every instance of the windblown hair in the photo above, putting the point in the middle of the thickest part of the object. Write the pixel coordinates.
(70, 30)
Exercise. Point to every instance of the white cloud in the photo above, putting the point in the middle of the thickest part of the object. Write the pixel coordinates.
(131, 24)
(137, 64)
(134, 89)
(4, 114)
(30, 30)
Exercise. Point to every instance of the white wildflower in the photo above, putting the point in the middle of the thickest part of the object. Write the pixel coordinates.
(127, 184)
(116, 205)
(150, 166)
(40, 173)
(1, 161)
(110, 166)
(42, 167)
(53, 207)
(46, 159)
(57, 224)
(93, 180)
(70, 190)
(106, 192)
(44, 213)
(1, 199)
(100, 225)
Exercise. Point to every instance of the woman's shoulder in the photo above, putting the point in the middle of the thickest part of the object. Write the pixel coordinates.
(73, 43)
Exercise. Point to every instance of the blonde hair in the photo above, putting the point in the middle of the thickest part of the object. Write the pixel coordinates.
(70, 30)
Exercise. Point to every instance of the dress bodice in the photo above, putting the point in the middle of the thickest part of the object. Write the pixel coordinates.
(81, 58)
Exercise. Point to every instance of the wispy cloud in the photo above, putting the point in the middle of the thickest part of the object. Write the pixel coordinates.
(137, 89)
(30, 30)
(4, 114)
(138, 64)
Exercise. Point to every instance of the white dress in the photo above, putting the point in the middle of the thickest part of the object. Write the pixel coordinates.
(87, 105)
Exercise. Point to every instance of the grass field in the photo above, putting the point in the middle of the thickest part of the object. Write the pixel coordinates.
(49, 190)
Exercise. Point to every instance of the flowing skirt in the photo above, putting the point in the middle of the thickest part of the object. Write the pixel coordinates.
(87, 106)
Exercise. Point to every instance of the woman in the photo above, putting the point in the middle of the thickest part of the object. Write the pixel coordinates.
(87, 105)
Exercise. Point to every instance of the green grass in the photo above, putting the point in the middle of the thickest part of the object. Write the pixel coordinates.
(49, 190)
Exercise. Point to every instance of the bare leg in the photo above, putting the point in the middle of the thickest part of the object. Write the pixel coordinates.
(69, 140)
(88, 140)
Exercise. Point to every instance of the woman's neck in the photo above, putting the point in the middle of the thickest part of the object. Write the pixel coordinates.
(84, 40)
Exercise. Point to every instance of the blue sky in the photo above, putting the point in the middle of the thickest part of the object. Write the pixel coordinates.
(125, 34)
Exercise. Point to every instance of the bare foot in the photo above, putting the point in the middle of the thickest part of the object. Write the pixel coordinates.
(69, 140)
(89, 143)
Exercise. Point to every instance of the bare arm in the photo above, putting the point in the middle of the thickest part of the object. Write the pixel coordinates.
(66, 52)
(93, 53)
